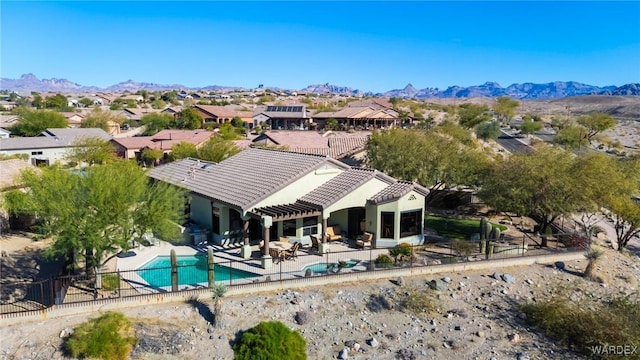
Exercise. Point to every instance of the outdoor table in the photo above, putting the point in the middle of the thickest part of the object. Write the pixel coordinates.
(281, 246)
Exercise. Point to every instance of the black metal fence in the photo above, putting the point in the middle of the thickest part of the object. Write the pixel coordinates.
(39, 294)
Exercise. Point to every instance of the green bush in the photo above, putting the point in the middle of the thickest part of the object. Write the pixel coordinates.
(270, 340)
(615, 322)
(402, 252)
(110, 281)
(463, 248)
(383, 260)
(108, 337)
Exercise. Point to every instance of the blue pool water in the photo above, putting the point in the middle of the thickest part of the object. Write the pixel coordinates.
(192, 270)
(321, 268)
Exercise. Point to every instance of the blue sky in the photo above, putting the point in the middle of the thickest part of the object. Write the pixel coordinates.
(372, 46)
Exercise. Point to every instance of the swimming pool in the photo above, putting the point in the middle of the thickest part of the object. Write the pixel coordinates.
(322, 268)
(192, 270)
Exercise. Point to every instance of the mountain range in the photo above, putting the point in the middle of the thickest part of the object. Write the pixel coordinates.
(559, 89)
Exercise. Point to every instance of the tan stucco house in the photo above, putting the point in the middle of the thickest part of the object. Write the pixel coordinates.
(261, 194)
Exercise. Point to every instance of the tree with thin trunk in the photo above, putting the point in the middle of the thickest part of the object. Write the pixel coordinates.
(439, 158)
(595, 123)
(99, 212)
(541, 184)
(505, 108)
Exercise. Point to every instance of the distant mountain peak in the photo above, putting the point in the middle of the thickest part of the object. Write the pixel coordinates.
(557, 89)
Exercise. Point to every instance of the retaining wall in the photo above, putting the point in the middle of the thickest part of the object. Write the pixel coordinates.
(57, 311)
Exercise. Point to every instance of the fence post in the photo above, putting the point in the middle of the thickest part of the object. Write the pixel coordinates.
(211, 277)
(174, 271)
(119, 284)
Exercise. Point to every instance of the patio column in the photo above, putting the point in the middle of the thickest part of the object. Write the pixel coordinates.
(267, 261)
(245, 252)
(323, 246)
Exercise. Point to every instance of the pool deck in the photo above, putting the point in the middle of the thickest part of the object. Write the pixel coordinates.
(230, 255)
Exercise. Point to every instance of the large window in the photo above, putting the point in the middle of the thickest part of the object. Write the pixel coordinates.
(387, 226)
(410, 222)
(235, 221)
(289, 228)
(215, 220)
(310, 226)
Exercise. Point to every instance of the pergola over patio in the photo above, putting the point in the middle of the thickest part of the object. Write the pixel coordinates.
(274, 213)
(296, 210)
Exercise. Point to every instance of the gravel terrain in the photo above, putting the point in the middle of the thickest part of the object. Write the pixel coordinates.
(475, 317)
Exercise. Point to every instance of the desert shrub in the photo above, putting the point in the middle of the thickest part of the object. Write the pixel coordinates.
(378, 302)
(383, 260)
(614, 322)
(417, 300)
(110, 281)
(108, 337)
(270, 340)
(402, 252)
(463, 248)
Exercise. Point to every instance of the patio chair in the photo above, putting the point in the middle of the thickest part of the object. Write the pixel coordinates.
(276, 255)
(293, 252)
(364, 240)
(315, 243)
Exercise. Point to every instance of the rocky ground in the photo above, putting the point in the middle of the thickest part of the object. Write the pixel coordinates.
(475, 317)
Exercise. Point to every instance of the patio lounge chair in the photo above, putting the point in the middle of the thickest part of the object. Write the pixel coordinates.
(315, 243)
(333, 233)
(365, 240)
(293, 252)
(276, 255)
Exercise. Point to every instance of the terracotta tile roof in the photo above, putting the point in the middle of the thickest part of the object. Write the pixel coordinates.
(196, 137)
(332, 144)
(244, 179)
(135, 142)
(341, 185)
(223, 111)
(52, 138)
(10, 171)
(295, 139)
(165, 139)
(396, 191)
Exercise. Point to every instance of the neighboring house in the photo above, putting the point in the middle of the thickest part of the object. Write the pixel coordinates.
(134, 115)
(7, 121)
(274, 193)
(74, 119)
(4, 133)
(333, 144)
(104, 99)
(7, 105)
(221, 114)
(365, 116)
(51, 145)
(136, 98)
(132, 147)
(10, 171)
(282, 117)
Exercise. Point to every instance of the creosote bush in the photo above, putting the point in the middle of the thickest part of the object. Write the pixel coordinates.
(418, 300)
(613, 322)
(270, 340)
(383, 260)
(402, 252)
(108, 337)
